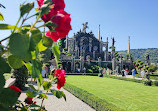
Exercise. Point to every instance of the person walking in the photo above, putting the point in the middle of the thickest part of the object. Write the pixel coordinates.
(43, 72)
(143, 74)
(127, 71)
(133, 73)
(84, 71)
(123, 73)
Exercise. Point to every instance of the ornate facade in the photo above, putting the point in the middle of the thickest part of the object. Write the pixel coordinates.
(84, 47)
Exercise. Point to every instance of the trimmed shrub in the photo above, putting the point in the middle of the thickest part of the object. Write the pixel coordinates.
(148, 83)
(95, 102)
(21, 76)
(88, 74)
(126, 79)
(156, 83)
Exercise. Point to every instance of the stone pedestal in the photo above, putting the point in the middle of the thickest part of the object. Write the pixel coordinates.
(93, 55)
(99, 61)
(113, 64)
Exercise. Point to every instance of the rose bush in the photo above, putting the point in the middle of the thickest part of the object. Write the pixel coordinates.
(25, 44)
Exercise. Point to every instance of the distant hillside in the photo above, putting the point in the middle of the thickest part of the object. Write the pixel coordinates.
(140, 54)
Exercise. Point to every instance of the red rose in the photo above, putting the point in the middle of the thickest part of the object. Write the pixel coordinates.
(28, 100)
(62, 20)
(58, 4)
(16, 89)
(48, 16)
(40, 2)
(60, 74)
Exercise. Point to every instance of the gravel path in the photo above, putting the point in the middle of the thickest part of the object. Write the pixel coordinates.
(54, 104)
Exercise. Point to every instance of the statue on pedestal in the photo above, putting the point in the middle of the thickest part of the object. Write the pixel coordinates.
(84, 27)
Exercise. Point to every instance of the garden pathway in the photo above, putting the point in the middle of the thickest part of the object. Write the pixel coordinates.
(54, 104)
(130, 76)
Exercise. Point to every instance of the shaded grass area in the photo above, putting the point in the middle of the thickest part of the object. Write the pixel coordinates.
(123, 94)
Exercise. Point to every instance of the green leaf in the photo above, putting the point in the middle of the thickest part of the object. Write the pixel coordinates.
(47, 41)
(34, 105)
(41, 47)
(19, 44)
(32, 87)
(56, 52)
(33, 55)
(4, 67)
(6, 26)
(53, 91)
(63, 95)
(15, 62)
(29, 67)
(43, 96)
(30, 94)
(58, 94)
(1, 17)
(44, 9)
(26, 8)
(35, 38)
(2, 108)
(27, 57)
(36, 9)
(47, 85)
(39, 81)
(47, 2)
(8, 97)
(2, 82)
(36, 68)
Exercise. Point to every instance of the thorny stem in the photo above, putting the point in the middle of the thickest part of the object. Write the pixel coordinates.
(24, 19)
(35, 23)
(43, 99)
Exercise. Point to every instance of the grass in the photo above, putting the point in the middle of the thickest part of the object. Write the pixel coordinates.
(127, 95)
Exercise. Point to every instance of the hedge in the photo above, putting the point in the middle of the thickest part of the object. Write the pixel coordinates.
(87, 74)
(95, 102)
(126, 79)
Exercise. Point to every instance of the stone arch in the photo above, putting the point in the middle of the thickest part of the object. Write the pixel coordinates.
(69, 67)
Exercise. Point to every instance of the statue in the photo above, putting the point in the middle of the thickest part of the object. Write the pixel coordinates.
(84, 27)
(113, 41)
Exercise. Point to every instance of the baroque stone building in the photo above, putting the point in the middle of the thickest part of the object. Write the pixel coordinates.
(84, 47)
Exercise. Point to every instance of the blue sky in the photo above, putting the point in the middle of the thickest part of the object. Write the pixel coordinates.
(118, 18)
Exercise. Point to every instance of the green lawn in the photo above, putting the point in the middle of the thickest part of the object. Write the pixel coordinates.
(124, 94)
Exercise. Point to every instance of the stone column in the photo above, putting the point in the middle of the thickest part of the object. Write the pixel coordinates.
(81, 63)
(100, 46)
(73, 64)
(90, 44)
(113, 64)
(93, 55)
(88, 59)
(67, 42)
